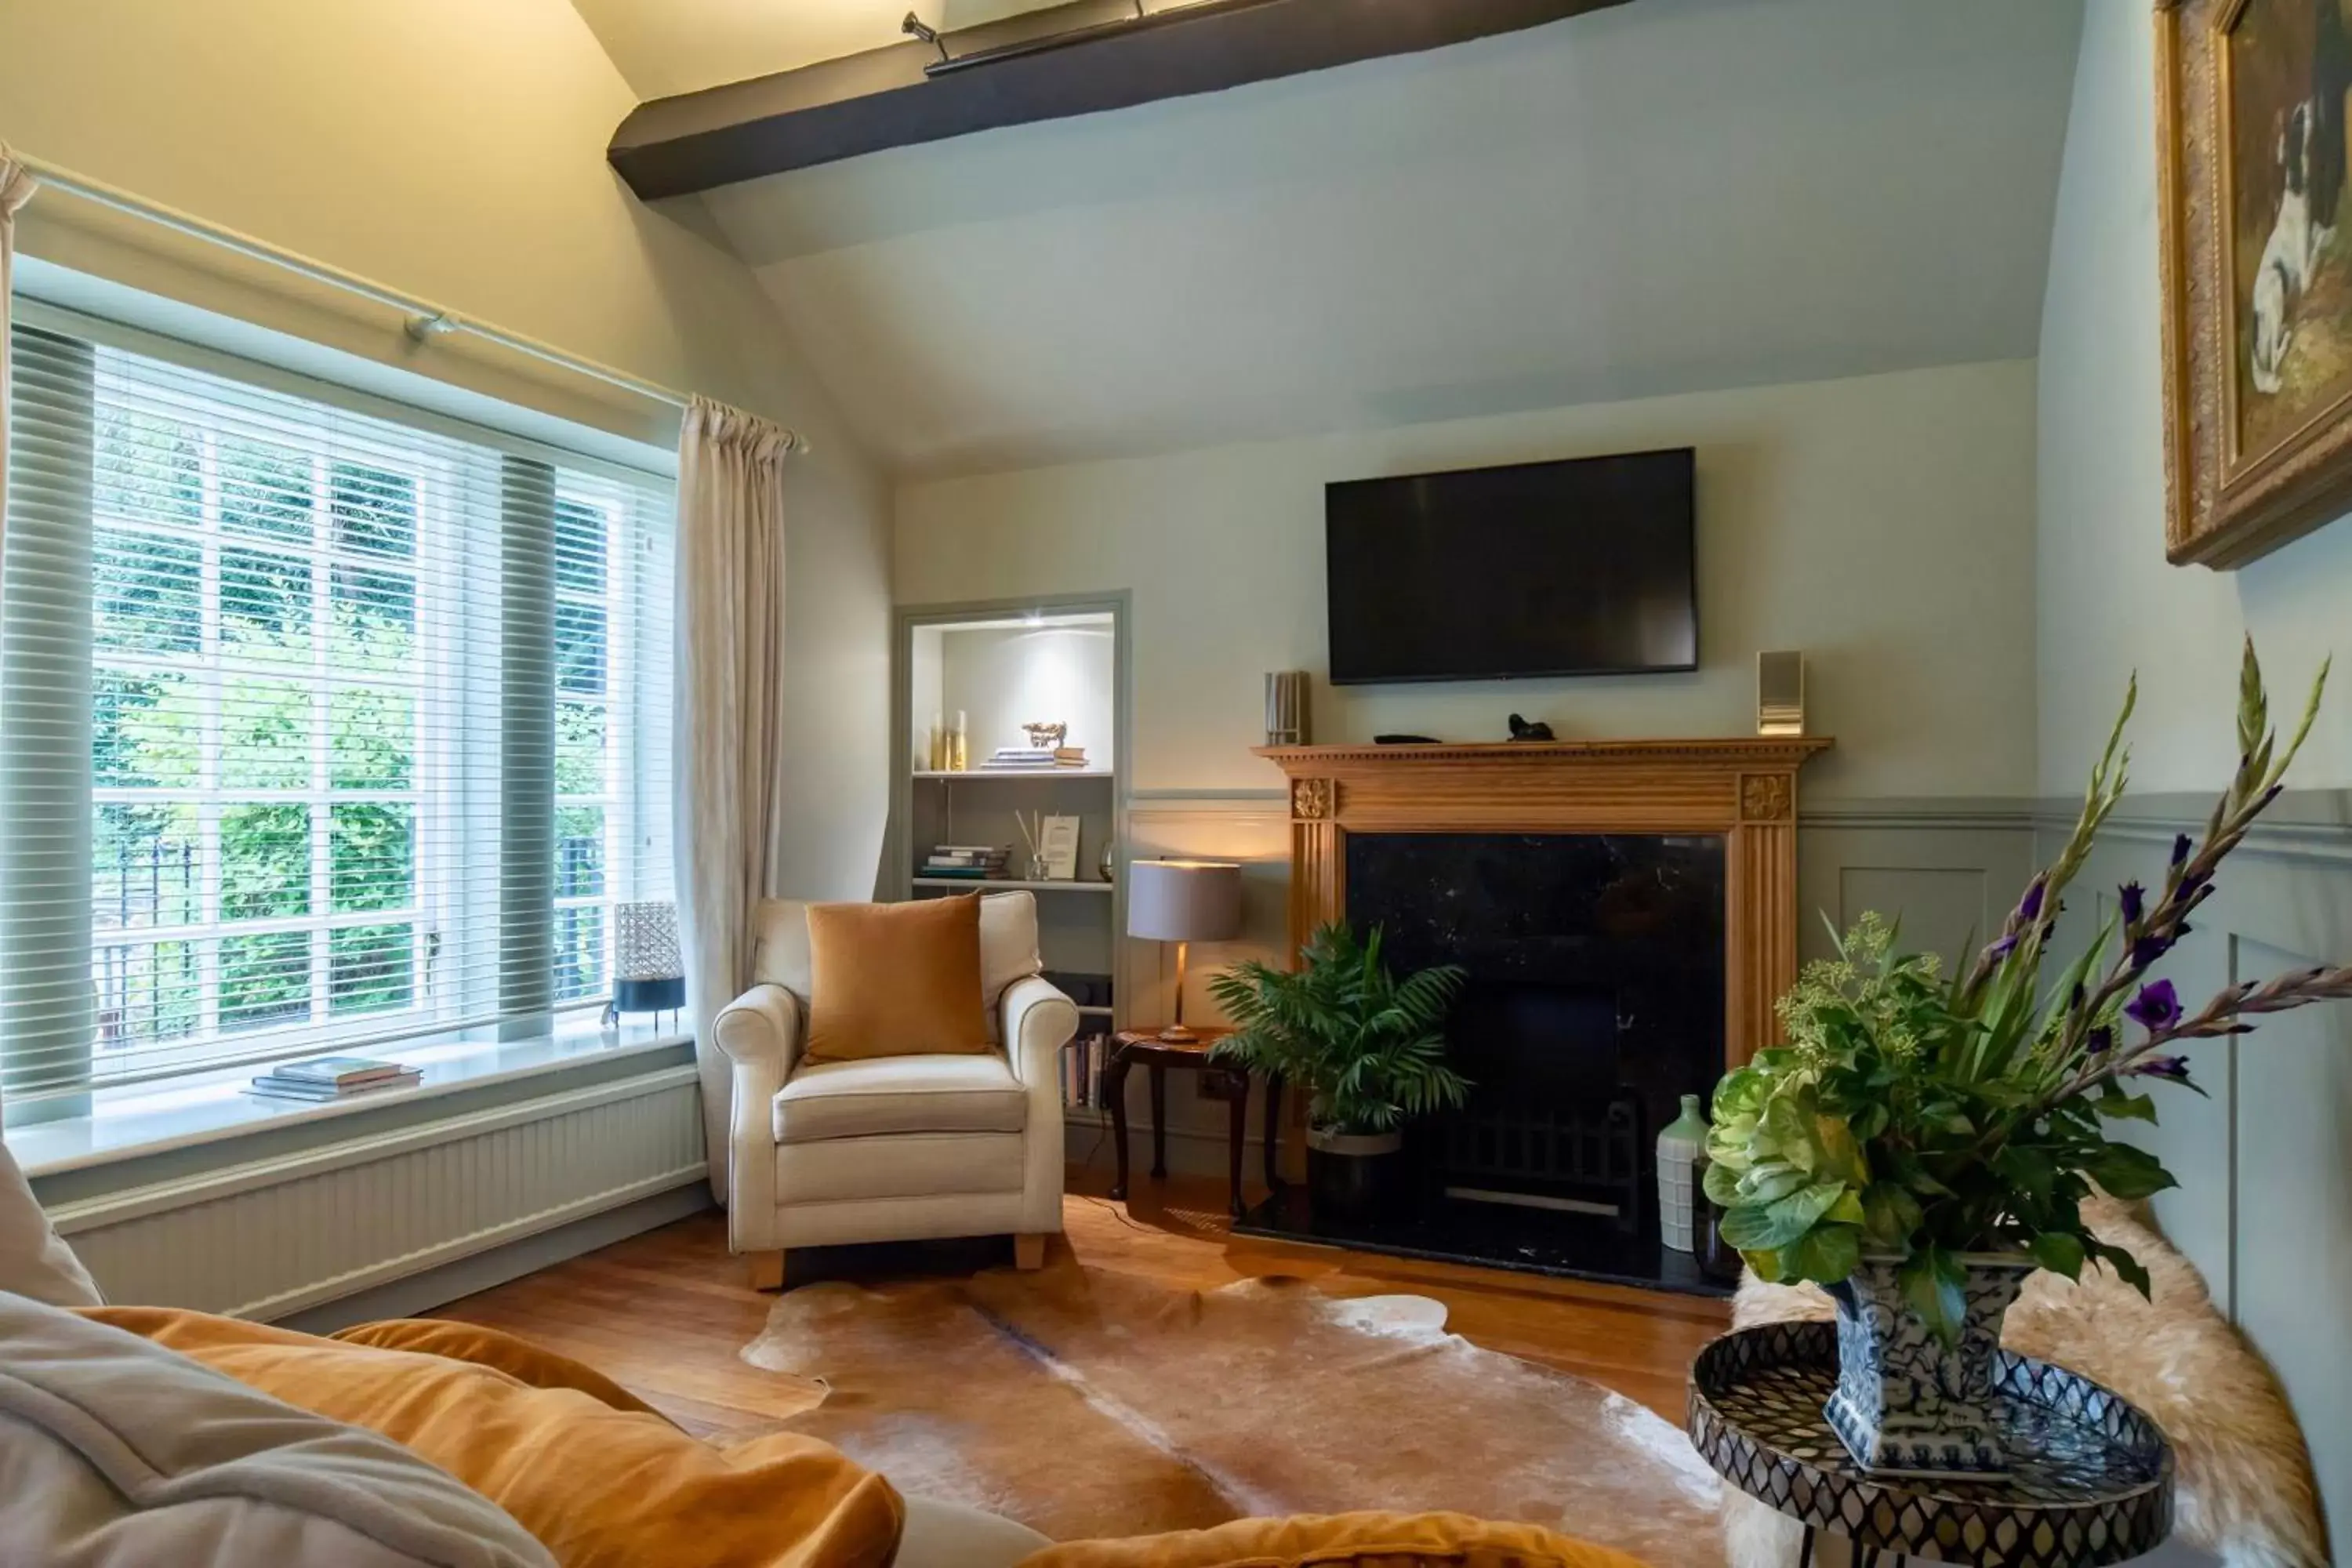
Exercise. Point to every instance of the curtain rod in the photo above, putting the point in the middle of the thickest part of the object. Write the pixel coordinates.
(422, 320)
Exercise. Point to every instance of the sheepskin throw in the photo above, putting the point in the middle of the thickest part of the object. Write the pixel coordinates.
(2244, 1491)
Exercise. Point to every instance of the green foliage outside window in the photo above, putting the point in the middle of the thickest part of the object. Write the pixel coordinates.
(372, 853)
(265, 861)
(371, 969)
(264, 978)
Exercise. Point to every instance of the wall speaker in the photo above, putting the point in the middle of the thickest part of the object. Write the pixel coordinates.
(1780, 693)
(1285, 708)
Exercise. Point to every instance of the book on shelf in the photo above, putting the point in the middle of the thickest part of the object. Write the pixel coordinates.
(1018, 757)
(1069, 756)
(966, 862)
(1084, 1061)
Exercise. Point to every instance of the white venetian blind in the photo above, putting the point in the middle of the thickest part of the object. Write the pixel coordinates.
(317, 727)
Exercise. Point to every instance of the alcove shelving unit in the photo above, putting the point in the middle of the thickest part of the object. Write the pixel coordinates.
(1002, 666)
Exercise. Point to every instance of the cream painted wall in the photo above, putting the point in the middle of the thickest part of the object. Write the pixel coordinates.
(2263, 1207)
(1884, 525)
(453, 149)
(2109, 604)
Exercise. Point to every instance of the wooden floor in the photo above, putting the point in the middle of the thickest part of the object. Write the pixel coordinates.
(666, 1312)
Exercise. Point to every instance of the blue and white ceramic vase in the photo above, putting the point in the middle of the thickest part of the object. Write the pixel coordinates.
(1907, 1404)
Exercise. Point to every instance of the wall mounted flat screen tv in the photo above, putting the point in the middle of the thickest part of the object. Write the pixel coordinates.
(1584, 567)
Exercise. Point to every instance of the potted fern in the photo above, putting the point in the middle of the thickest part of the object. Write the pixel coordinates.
(1368, 1050)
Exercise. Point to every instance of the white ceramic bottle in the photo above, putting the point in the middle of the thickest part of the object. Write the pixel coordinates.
(1678, 1145)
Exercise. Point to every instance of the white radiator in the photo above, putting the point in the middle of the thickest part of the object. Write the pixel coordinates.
(264, 1239)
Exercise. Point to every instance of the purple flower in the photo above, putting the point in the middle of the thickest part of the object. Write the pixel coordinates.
(2135, 902)
(2101, 1041)
(2029, 908)
(2155, 1007)
(2147, 949)
(2000, 949)
(2181, 848)
(2174, 1069)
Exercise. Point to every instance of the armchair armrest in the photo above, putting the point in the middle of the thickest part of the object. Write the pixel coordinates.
(760, 1033)
(1038, 1021)
(761, 1030)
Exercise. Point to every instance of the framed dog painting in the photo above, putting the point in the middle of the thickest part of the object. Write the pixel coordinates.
(2255, 147)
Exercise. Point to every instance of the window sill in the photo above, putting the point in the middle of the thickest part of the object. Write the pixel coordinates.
(133, 1123)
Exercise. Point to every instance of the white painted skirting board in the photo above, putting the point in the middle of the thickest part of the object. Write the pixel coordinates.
(276, 1236)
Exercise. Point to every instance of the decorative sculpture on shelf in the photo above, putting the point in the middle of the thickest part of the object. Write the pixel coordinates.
(1046, 737)
(1522, 730)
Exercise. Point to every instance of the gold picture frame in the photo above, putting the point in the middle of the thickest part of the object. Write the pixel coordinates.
(2257, 398)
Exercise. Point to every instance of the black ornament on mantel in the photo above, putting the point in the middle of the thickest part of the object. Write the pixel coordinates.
(1521, 730)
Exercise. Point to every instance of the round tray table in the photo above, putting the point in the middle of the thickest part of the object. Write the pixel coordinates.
(2090, 1477)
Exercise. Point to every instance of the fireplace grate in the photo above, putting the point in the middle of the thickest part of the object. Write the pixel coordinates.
(1594, 1156)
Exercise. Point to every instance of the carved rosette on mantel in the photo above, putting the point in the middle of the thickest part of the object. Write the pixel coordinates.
(1743, 790)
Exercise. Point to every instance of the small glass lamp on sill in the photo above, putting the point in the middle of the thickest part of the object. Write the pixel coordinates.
(649, 974)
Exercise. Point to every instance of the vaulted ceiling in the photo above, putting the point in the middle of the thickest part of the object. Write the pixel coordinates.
(1673, 196)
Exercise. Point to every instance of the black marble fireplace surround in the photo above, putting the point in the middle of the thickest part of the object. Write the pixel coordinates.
(1595, 999)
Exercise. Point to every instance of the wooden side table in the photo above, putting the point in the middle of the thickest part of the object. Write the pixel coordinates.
(1129, 1046)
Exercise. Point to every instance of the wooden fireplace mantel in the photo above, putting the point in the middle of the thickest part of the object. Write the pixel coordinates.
(1743, 790)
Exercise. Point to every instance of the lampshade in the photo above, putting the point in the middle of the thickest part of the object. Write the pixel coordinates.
(1184, 901)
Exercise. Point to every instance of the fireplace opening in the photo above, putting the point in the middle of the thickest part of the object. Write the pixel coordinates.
(1547, 1125)
(1594, 999)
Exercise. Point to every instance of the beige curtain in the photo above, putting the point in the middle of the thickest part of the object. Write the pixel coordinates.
(726, 720)
(16, 187)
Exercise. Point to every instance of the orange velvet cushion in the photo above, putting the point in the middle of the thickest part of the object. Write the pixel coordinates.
(599, 1487)
(896, 980)
(1342, 1540)
(481, 1346)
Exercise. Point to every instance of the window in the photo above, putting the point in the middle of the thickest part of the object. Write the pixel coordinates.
(312, 639)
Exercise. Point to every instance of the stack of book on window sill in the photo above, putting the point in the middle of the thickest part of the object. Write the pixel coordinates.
(970, 862)
(333, 1078)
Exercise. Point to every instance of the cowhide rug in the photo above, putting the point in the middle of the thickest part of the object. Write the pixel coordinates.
(1085, 1404)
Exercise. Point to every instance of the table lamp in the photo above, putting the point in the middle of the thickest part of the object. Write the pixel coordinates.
(648, 973)
(1184, 901)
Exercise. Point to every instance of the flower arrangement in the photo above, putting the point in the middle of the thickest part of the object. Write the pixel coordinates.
(1925, 1118)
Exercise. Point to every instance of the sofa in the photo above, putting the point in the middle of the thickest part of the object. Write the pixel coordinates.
(143, 1434)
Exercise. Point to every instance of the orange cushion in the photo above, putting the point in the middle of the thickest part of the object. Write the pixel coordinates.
(896, 980)
(1342, 1540)
(599, 1487)
(480, 1346)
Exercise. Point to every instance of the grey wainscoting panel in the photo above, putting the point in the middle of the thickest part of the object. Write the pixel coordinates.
(2292, 1104)
(2264, 1206)
(1949, 870)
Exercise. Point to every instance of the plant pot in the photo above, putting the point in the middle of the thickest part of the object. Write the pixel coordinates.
(1907, 1403)
(1351, 1176)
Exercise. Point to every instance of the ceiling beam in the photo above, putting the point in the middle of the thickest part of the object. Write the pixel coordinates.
(1076, 58)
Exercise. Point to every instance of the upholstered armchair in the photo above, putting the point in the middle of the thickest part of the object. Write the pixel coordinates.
(898, 1148)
